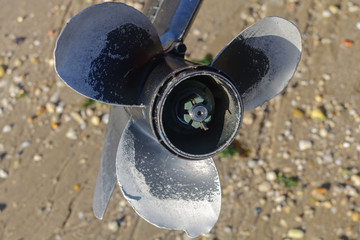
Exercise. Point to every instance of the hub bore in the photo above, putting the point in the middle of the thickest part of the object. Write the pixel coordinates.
(198, 113)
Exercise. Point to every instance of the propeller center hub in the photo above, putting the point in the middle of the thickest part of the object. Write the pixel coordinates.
(197, 113)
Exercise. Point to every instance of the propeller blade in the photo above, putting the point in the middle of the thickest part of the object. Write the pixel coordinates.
(101, 47)
(262, 59)
(166, 190)
(106, 180)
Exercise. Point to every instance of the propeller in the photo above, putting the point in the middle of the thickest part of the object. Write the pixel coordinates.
(169, 116)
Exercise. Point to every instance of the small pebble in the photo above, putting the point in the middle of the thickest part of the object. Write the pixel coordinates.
(296, 233)
(37, 157)
(317, 114)
(227, 229)
(251, 164)
(358, 25)
(40, 111)
(95, 120)
(248, 119)
(347, 43)
(196, 32)
(327, 204)
(355, 216)
(305, 145)
(59, 109)
(80, 215)
(113, 226)
(3, 174)
(258, 170)
(286, 209)
(122, 203)
(346, 145)
(264, 186)
(328, 158)
(323, 132)
(89, 112)
(356, 180)
(17, 62)
(76, 116)
(51, 32)
(271, 176)
(326, 13)
(326, 76)
(334, 9)
(299, 218)
(279, 199)
(25, 144)
(6, 128)
(268, 124)
(298, 113)
(265, 218)
(71, 134)
(351, 191)
(55, 97)
(19, 78)
(319, 193)
(34, 60)
(353, 8)
(318, 99)
(20, 19)
(54, 125)
(309, 212)
(2, 72)
(105, 118)
(50, 107)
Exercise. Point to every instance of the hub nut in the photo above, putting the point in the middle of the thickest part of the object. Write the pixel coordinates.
(197, 112)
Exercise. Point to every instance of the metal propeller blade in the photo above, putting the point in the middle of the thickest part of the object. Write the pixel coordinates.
(106, 180)
(101, 47)
(262, 59)
(166, 190)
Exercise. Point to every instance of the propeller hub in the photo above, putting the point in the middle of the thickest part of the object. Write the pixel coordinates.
(197, 112)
